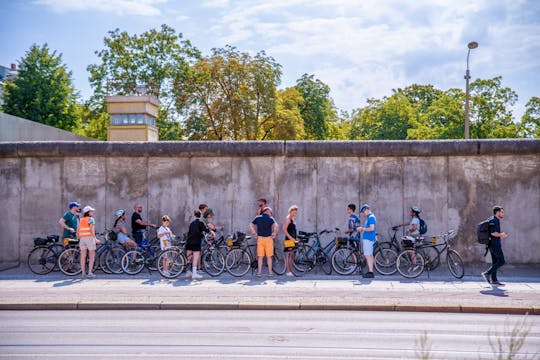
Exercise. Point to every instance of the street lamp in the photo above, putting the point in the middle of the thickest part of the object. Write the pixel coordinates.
(471, 45)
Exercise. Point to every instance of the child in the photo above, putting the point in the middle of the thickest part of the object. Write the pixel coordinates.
(193, 244)
(165, 236)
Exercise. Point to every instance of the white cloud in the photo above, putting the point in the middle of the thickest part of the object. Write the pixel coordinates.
(119, 7)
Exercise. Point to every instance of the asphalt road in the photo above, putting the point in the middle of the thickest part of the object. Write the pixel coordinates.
(258, 334)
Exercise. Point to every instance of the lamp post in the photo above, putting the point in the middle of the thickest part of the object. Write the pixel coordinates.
(471, 45)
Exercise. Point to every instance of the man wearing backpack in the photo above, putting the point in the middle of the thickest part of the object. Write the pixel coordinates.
(495, 246)
(414, 230)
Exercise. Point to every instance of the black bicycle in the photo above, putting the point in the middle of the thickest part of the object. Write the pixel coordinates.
(306, 257)
(43, 258)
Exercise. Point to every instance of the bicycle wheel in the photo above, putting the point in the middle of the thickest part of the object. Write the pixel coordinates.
(113, 259)
(455, 264)
(344, 261)
(278, 263)
(57, 249)
(325, 262)
(69, 261)
(101, 261)
(385, 261)
(410, 264)
(238, 262)
(132, 262)
(302, 262)
(213, 262)
(171, 263)
(41, 260)
(431, 255)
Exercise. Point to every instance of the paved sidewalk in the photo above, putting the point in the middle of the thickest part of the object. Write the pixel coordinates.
(20, 289)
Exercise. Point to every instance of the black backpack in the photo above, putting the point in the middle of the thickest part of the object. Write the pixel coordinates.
(482, 232)
(422, 229)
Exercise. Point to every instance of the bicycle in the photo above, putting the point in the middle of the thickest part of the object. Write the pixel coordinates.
(69, 260)
(412, 261)
(240, 257)
(307, 257)
(43, 258)
(173, 261)
(146, 254)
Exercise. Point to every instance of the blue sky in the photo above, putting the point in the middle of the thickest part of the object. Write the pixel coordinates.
(361, 48)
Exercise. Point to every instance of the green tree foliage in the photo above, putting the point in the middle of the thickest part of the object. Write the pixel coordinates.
(229, 95)
(491, 113)
(155, 59)
(530, 123)
(94, 123)
(43, 91)
(287, 123)
(318, 109)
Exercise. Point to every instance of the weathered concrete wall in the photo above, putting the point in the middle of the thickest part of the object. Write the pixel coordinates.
(455, 182)
(13, 128)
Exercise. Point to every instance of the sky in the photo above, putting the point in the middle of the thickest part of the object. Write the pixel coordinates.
(361, 49)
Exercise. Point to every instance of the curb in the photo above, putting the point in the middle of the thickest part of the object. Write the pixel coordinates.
(251, 306)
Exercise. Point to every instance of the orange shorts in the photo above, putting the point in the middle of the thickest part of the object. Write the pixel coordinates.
(265, 246)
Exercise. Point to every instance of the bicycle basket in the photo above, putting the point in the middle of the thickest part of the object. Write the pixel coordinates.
(341, 240)
(53, 238)
(40, 241)
(302, 238)
(237, 239)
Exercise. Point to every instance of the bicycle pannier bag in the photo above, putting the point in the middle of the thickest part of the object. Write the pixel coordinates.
(482, 232)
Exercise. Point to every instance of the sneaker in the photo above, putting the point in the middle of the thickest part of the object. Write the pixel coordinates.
(289, 274)
(486, 278)
(196, 276)
(368, 275)
(188, 273)
(83, 277)
(270, 275)
(258, 275)
(91, 275)
(497, 282)
(166, 273)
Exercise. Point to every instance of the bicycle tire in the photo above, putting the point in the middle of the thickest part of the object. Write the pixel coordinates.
(69, 261)
(302, 263)
(238, 262)
(385, 261)
(408, 266)
(57, 248)
(41, 260)
(432, 257)
(278, 263)
(344, 261)
(133, 262)
(455, 264)
(102, 262)
(324, 261)
(113, 259)
(213, 262)
(176, 263)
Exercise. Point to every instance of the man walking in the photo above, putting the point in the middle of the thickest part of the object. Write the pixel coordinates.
(265, 232)
(495, 246)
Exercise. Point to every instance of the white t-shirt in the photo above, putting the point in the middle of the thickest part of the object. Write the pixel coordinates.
(164, 241)
(416, 221)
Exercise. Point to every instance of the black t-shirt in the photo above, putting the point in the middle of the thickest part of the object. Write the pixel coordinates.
(291, 229)
(494, 226)
(134, 225)
(264, 224)
(195, 232)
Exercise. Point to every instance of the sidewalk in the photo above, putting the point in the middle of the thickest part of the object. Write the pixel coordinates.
(20, 289)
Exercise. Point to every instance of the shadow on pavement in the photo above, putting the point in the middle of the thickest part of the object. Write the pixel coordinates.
(495, 292)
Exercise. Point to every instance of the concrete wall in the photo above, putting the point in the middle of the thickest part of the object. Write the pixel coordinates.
(455, 182)
(13, 128)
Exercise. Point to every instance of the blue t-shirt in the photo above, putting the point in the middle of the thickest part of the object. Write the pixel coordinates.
(370, 235)
(353, 224)
(264, 224)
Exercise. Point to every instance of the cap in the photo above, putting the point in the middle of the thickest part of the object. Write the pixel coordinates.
(267, 209)
(88, 208)
(364, 207)
(73, 204)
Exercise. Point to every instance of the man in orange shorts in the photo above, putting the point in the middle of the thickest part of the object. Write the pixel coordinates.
(264, 228)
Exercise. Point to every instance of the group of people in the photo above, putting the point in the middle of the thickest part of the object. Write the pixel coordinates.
(263, 228)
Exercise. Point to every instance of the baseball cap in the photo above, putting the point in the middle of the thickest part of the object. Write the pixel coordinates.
(88, 208)
(73, 204)
(364, 207)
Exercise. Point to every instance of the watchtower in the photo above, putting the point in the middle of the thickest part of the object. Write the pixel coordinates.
(133, 118)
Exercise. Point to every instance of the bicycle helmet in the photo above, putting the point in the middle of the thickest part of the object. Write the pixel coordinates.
(416, 209)
(119, 213)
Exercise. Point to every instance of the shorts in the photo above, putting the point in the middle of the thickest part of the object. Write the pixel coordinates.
(87, 243)
(122, 238)
(367, 247)
(408, 241)
(265, 246)
(193, 245)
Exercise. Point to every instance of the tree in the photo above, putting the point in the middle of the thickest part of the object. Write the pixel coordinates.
(229, 95)
(287, 123)
(530, 123)
(43, 91)
(491, 114)
(155, 59)
(317, 109)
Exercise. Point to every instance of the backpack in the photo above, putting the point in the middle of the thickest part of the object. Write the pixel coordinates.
(482, 232)
(423, 226)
